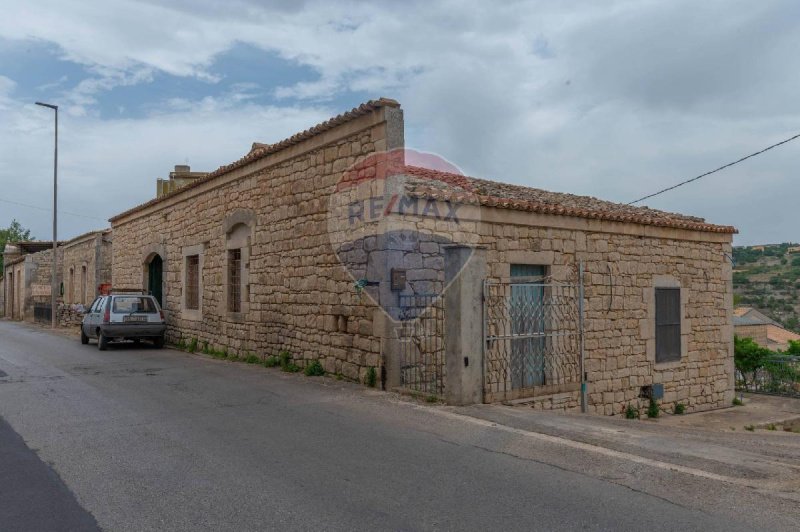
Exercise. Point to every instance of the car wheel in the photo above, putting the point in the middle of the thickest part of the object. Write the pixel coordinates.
(102, 342)
(84, 338)
(158, 342)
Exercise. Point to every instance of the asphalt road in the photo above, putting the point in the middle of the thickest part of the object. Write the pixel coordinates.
(146, 439)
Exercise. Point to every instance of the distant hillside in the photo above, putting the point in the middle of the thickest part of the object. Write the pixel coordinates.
(768, 278)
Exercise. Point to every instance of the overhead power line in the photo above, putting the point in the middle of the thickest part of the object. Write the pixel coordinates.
(51, 210)
(716, 170)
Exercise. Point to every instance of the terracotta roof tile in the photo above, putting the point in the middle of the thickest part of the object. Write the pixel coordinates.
(463, 189)
(260, 150)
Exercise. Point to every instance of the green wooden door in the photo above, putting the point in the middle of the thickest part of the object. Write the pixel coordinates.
(155, 274)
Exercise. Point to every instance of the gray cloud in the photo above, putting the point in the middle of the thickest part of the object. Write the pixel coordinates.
(614, 100)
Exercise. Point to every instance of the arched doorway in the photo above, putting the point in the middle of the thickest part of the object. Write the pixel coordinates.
(155, 276)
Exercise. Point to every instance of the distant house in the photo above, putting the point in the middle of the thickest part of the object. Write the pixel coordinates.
(766, 332)
(793, 249)
(27, 274)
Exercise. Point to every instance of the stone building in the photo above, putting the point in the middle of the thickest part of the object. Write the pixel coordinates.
(181, 176)
(766, 332)
(86, 266)
(340, 245)
(27, 279)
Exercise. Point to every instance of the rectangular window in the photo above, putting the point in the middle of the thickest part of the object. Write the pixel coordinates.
(83, 285)
(235, 280)
(193, 282)
(668, 324)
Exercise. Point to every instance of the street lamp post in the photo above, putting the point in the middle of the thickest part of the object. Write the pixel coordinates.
(54, 278)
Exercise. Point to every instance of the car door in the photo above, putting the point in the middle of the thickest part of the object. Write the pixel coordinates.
(90, 325)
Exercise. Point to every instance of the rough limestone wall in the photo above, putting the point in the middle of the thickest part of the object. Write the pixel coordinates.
(300, 297)
(15, 289)
(76, 256)
(39, 274)
(757, 332)
(103, 266)
(621, 273)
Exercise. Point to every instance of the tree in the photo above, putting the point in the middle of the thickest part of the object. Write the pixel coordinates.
(749, 357)
(14, 233)
(794, 348)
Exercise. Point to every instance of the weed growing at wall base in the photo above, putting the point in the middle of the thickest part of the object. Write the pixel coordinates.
(314, 369)
(631, 412)
(371, 378)
(652, 409)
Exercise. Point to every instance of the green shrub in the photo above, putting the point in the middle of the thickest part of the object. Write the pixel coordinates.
(234, 358)
(652, 409)
(737, 402)
(286, 362)
(751, 428)
(291, 367)
(252, 359)
(631, 412)
(431, 399)
(371, 378)
(206, 349)
(193, 345)
(271, 362)
(314, 369)
(680, 408)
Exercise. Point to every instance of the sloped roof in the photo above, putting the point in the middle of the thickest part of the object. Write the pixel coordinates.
(779, 335)
(259, 150)
(34, 246)
(751, 316)
(472, 190)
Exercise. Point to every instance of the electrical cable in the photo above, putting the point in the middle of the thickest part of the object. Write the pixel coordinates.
(713, 171)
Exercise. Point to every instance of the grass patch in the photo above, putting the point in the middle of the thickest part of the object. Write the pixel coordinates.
(314, 369)
(737, 402)
(431, 399)
(631, 412)
(252, 359)
(271, 362)
(193, 345)
(772, 426)
(680, 408)
(751, 428)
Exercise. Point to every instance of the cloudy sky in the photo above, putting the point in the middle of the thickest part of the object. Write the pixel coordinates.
(609, 99)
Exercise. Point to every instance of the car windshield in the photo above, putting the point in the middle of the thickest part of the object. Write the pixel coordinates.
(130, 304)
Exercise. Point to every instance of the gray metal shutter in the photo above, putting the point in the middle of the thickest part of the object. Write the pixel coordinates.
(668, 324)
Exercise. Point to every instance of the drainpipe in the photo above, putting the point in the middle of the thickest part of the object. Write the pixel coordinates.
(580, 327)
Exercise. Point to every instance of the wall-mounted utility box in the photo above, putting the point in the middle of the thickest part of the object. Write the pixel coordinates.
(653, 391)
(398, 279)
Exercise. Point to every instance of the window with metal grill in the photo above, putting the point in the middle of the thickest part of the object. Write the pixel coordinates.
(668, 324)
(193, 282)
(235, 280)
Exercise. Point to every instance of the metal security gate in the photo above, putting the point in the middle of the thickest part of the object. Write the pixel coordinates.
(533, 338)
(421, 331)
(42, 313)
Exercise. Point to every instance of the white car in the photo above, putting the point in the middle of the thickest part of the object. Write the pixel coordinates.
(124, 317)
